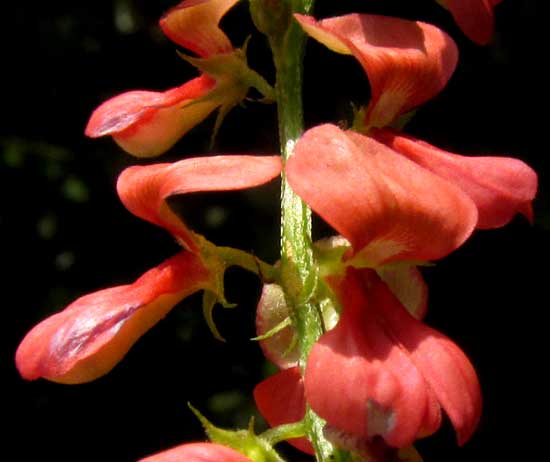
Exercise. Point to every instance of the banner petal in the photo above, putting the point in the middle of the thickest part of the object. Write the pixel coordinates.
(193, 24)
(145, 189)
(407, 62)
(360, 380)
(389, 208)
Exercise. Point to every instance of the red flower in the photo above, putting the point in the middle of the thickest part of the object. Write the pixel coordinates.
(198, 452)
(389, 208)
(499, 186)
(391, 211)
(147, 123)
(88, 338)
(396, 201)
(474, 17)
(381, 372)
(408, 63)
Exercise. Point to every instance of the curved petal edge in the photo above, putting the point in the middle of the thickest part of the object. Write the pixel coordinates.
(144, 189)
(148, 123)
(88, 338)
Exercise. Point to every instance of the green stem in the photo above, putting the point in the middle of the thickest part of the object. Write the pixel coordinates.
(298, 270)
(283, 432)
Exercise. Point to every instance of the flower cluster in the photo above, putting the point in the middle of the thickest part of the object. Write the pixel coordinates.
(396, 202)
(378, 375)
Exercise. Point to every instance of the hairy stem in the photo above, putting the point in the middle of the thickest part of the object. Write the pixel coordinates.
(298, 270)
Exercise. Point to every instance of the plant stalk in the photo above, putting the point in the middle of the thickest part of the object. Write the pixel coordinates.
(298, 270)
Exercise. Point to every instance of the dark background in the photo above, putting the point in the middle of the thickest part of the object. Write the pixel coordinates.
(64, 232)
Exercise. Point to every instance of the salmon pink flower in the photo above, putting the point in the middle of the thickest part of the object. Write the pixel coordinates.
(389, 208)
(407, 63)
(198, 452)
(379, 373)
(474, 17)
(88, 338)
(382, 373)
(367, 383)
(395, 201)
(147, 123)
(499, 186)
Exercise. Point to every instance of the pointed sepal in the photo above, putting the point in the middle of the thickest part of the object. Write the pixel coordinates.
(274, 328)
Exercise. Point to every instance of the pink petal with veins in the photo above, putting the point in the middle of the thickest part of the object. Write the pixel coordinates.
(147, 123)
(194, 24)
(144, 189)
(389, 208)
(361, 380)
(88, 338)
(381, 372)
(500, 187)
(407, 62)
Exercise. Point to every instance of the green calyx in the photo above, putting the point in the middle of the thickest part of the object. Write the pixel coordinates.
(218, 259)
(233, 81)
(232, 68)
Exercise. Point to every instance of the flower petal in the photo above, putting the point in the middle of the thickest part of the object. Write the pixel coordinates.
(443, 365)
(474, 17)
(193, 24)
(408, 285)
(280, 399)
(499, 186)
(144, 189)
(407, 62)
(198, 452)
(361, 380)
(389, 208)
(147, 123)
(88, 338)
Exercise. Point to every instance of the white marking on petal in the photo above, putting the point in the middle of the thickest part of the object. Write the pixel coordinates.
(380, 420)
